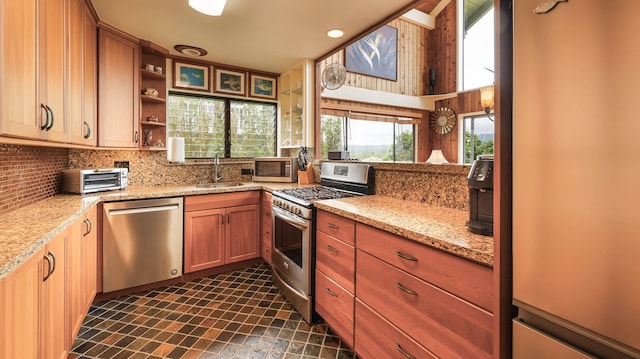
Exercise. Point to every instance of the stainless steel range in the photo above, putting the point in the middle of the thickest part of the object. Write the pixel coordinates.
(293, 214)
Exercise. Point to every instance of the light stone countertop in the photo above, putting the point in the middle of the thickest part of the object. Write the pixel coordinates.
(438, 227)
(27, 230)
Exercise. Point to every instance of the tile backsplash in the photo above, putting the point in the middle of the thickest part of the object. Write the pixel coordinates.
(29, 174)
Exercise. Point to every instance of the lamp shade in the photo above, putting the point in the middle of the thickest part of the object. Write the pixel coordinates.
(486, 97)
(437, 158)
(208, 7)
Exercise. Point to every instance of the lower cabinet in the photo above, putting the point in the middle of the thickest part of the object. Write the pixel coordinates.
(221, 229)
(44, 300)
(33, 305)
(390, 297)
(266, 227)
(81, 271)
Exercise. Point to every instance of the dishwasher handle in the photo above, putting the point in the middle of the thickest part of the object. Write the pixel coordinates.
(142, 209)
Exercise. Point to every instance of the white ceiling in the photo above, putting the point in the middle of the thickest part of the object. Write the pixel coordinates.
(266, 35)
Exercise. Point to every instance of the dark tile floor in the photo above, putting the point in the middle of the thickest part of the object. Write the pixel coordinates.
(239, 314)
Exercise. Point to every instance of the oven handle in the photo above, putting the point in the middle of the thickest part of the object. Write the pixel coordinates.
(290, 217)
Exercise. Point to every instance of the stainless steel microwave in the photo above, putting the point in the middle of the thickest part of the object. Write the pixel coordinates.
(275, 169)
(96, 180)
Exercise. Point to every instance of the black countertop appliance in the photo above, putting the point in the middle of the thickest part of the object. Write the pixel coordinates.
(480, 182)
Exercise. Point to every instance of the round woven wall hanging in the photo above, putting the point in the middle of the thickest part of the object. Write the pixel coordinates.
(443, 120)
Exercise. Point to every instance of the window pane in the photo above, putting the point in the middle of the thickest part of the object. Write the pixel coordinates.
(477, 45)
(478, 137)
(332, 136)
(404, 143)
(200, 121)
(253, 129)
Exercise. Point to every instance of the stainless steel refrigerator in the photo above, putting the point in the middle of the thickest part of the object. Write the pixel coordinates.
(576, 179)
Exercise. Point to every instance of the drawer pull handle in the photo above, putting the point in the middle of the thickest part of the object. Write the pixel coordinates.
(331, 293)
(333, 226)
(406, 355)
(333, 249)
(404, 256)
(405, 289)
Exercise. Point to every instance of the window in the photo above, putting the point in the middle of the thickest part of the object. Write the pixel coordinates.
(478, 134)
(368, 140)
(476, 50)
(231, 127)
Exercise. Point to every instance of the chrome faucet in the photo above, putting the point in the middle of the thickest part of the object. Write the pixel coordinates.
(216, 163)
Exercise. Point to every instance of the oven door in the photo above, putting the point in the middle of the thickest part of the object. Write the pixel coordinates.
(291, 252)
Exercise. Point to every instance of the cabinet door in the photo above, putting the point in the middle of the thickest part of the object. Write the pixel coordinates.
(53, 341)
(242, 233)
(18, 86)
(89, 262)
(51, 59)
(118, 61)
(82, 74)
(19, 300)
(203, 239)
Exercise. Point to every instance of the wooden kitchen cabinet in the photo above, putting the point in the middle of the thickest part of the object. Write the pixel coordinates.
(83, 65)
(153, 109)
(118, 109)
(221, 229)
(18, 83)
(335, 273)
(296, 106)
(422, 295)
(81, 271)
(19, 309)
(267, 227)
(33, 309)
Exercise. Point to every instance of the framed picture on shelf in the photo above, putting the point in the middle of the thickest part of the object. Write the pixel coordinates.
(376, 54)
(191, 76)
(262, 86)
(231, 82)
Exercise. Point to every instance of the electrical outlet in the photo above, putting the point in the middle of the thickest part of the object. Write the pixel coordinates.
(246, 171)
(122, 164)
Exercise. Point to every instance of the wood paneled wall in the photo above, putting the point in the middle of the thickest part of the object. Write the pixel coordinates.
(411, 59)
(442, 49)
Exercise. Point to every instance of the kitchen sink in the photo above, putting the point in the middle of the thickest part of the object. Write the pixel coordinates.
(219, 185)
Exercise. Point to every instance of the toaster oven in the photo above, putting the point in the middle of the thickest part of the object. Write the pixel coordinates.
(89, 181)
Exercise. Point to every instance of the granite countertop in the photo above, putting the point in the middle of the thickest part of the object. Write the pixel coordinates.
(25, 231)
(438, 227)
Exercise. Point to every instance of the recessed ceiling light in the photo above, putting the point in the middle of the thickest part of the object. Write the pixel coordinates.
(335, 33)
(190, 50)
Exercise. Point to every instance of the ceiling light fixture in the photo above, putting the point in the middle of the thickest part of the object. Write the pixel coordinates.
(335, 33)
(190, 50)
(208, 7)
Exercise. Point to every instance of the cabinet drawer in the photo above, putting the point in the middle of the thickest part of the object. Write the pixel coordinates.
(220, 200)
(266, 214)
(459, 276)
(336, 226)
(445, 324)
(336, 259)
(376, 337)
(335, 305)
(266, 250)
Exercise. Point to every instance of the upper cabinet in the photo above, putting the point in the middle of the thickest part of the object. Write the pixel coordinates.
(153, 96)
(296, 106)
(118, 84)
(40, 69)
(83, 64)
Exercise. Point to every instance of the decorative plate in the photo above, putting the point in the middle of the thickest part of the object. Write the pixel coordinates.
(443, 120)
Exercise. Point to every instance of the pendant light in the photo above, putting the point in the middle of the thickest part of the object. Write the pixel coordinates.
(208, 7)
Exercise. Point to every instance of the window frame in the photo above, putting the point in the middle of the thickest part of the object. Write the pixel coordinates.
(461, 142)
(227, 120)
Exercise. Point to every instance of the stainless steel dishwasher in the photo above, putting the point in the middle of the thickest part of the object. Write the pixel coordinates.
(142, 242)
